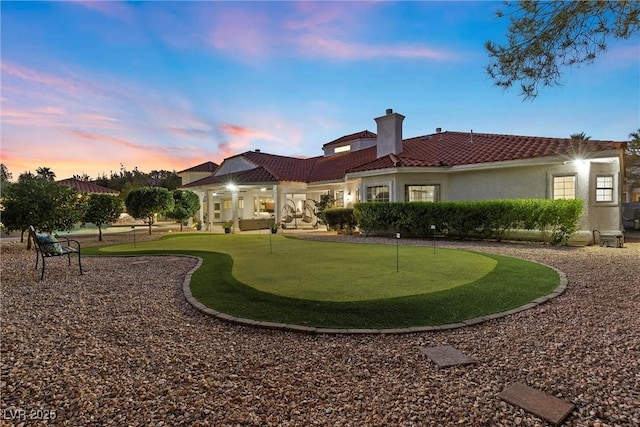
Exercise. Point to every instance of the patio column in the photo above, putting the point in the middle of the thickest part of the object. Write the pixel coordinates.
(234, 209)
(276, 205)
(201, 210)
(210, 194)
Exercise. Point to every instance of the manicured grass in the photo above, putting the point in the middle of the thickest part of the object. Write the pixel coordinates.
(341, 285)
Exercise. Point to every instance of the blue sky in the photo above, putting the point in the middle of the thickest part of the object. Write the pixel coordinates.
(90, 85)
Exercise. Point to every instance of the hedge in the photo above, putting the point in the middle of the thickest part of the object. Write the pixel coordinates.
(556, 219)
(340, 219)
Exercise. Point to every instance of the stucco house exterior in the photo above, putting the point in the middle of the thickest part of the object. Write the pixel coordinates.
(257, 188)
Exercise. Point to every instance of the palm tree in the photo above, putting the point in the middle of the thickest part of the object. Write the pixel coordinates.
(634, 143)
(581, 136)
(45, 173)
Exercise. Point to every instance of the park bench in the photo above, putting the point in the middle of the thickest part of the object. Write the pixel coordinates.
(48, 246)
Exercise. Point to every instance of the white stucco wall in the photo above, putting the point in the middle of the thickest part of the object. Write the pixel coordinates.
(234, 164)
(517, 182)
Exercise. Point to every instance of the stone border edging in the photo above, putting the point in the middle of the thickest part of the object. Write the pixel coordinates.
(186, 289)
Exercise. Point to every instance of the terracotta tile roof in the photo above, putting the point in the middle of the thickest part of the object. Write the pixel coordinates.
(436, 150)
(86, 186)
(461, 148)
(336, 166)
(358, 135)
(203, 167)
(251, 176)
(282, 167)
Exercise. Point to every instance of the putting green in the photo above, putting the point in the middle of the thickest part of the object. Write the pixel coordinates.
(356, 272)
(328, 271)
(341, 285)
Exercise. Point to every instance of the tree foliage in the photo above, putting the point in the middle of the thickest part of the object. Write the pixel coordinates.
(146, 202)
(126, 180)
(102, 209)
(45, 173)
(580, 136)
(41, 203)
(186, 204)
(5, 177)
(545, 36)
(632, 161)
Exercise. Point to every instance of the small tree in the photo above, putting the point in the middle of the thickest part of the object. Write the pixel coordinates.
(102, 209)
(327, 201)
(186, 204)
(41, 203)
(146, 202)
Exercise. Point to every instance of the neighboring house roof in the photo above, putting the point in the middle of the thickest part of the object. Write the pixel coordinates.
(466, 148)
(86, 186)
(203, 167)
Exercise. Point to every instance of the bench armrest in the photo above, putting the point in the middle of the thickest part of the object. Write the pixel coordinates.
(67, 241)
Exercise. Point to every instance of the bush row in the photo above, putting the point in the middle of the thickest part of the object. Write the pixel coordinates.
(556, 219)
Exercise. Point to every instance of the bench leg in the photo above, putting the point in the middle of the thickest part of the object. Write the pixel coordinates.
(42, 275)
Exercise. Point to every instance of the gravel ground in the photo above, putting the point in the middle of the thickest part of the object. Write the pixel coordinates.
(120, 346)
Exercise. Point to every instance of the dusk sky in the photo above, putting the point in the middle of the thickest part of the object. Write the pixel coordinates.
(87, 86)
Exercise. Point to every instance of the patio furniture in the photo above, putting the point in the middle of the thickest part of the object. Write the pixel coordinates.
(48, 246)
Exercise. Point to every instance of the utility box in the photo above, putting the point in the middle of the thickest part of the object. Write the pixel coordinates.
(631, 216)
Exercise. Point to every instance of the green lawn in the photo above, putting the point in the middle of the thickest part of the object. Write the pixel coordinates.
(327, 284)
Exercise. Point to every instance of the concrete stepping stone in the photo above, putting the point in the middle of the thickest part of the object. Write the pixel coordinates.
(446, 355)
(542, 405)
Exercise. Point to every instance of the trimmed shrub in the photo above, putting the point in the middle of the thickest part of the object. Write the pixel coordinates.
(556, 219)
(340, 219)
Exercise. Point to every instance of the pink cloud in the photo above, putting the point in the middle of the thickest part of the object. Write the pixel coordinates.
(315, 30)
(55, 117)
(113, 9)
(237, 139)
(237, 30)
(319, 46)
(243, 132)
(107, 139)
(46, 79)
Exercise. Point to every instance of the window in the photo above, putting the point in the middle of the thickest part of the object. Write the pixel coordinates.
(564, 187)
(227, 204)
(263, 205)
(421, 193)
(340, 199)
(378, 193)
(604, 188)
(342, 149)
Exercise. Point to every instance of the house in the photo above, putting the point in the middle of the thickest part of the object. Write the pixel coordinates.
(386, 167)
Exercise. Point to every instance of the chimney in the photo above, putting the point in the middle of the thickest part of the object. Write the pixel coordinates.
(438, 130)
(389, 140)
